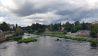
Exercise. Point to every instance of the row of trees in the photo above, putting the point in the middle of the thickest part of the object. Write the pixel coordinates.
(70, 27)
(15, 28)
(74, 27)
(55, 27)
(38, 28)
(35, 28)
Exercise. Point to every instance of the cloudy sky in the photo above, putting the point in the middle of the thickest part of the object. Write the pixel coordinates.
(26, 12)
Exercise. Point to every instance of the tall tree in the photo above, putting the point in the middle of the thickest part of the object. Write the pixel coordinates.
(68, 26)
(94, 30)
(4, 26)
(19, 31)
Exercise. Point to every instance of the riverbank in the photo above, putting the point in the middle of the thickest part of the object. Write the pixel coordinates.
(26, 38)
(93, 41)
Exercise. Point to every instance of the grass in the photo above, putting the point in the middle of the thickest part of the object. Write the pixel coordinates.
(54, 34)
(26, 40)
(62, 35)
(78, 39)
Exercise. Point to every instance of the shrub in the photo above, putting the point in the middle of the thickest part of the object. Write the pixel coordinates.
(94, 43)
(18, 32)
(16, 38)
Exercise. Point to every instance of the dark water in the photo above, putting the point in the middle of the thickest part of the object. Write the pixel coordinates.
(48, 46)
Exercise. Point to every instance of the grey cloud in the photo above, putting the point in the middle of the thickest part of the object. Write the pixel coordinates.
(73, 13)
(30, 8)
(78, 14)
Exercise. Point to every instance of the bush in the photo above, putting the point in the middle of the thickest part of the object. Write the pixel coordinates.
(18, 32)
(94, 43)
(14, 38)
(17, 38)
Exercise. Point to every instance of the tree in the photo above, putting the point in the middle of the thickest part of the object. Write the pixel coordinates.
(54, 27)
(35, 28)
(76, 27)
(77, 23)
(4, 26)
(68, 27)
(86, 26)
(18, 31)
(94, 30)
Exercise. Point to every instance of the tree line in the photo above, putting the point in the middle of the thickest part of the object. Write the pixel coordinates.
(39, 28)
(68, 27)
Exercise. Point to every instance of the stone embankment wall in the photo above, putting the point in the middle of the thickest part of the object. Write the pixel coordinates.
(2, 37)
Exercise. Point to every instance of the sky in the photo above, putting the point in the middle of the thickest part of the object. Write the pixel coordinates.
(26, 12)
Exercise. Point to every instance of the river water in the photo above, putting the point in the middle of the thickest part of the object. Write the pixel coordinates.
(48, 46)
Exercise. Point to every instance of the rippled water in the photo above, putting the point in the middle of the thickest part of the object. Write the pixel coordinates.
(48, 46)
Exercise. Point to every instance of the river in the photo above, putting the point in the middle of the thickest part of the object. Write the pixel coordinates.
(48, 46)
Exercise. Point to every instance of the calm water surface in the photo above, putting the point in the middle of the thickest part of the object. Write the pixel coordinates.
(48, 46)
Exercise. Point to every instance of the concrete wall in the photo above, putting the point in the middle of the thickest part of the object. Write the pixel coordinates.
(2, 36)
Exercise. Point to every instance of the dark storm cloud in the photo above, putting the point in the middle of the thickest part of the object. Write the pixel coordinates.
(78, 14)
(29, 9)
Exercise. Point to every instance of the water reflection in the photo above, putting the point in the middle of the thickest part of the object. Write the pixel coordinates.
(47, 46)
